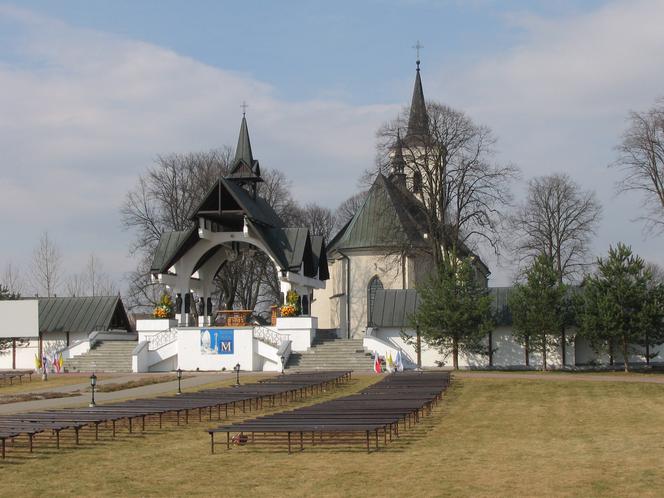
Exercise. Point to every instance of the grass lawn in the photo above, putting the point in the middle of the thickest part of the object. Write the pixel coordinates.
(506, 437)
(54, 380)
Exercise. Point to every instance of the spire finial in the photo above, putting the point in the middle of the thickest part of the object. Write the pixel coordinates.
(244, 108)
(417, 47)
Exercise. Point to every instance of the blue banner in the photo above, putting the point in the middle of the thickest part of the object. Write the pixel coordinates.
(217, 341)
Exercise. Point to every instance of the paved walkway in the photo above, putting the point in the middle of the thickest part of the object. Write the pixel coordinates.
(194, 379)
(647, 379)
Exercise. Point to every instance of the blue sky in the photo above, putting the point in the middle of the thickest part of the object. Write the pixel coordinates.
(356, 50)
(93, 91)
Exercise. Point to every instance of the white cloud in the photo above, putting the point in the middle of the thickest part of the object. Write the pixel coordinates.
(85, 112)
(558, 100)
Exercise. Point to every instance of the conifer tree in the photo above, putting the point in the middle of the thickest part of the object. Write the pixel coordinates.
(538, 308)
(620, 305)
(455, 309)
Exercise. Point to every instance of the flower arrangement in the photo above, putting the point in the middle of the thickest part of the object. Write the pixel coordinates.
(165, 307)
(292, 306)
(288, 310)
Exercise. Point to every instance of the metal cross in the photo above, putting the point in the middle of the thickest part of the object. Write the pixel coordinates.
(417, 47)
(244, 107)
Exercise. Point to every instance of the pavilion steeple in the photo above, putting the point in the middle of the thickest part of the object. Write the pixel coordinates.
(418, 121)
(245, 167)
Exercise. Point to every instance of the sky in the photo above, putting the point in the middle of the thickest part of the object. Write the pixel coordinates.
(93, 91)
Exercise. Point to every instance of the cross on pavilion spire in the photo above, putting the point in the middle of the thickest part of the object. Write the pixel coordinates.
(244, 107)
(417, 47)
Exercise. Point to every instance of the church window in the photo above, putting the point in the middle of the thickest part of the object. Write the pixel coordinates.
(374, 285)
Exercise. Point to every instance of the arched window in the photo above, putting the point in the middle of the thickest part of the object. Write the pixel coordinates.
(374, 285)
(417, 182)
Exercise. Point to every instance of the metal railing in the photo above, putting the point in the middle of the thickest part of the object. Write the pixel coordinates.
(268, 336)
(162, 339)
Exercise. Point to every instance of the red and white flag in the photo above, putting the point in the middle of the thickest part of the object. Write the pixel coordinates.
(377, 367)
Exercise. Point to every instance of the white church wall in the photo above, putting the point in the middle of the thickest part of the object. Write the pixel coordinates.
(329, 304)
(363, 267)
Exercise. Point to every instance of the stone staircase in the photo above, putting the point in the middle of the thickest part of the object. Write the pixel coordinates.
(106, 356)
(327, 352)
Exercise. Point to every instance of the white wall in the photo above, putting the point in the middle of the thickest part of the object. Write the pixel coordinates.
(507, 352)
(19, 318)
(190, 356)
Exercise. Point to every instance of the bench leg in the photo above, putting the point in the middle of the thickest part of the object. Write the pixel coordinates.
(228, 440)
(212, 442)
(289, 444)
(368, 444)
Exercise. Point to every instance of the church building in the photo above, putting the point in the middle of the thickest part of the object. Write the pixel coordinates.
(384, 245)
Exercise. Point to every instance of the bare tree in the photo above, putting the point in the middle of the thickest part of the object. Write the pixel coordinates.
(449, 166)
(76, 285)
(558, 219)
(318, 219)
(11, 279)
(347, 209)
(45, 269)
(98, 282)
(641, 159)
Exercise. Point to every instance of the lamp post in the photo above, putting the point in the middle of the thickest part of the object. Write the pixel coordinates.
(283, 363)
(93, 383)
(237, 374)
(179, 374)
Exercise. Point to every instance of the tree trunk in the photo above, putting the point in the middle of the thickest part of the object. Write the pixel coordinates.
(563, 345)
(544, 353)
(647, 350)
(610, 352)
(491, 348)
(455, 353)
(527, 351)
(419, 347)
(625, 348)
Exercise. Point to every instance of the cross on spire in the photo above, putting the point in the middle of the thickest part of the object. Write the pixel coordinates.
(244, 107)
(417, 47)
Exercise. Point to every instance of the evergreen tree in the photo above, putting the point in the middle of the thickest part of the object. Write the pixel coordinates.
(455, 309)
(621, 306)
(538, 308)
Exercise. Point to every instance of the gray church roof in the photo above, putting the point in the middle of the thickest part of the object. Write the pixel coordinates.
(394, 307)
(389, 217)
(82, 314)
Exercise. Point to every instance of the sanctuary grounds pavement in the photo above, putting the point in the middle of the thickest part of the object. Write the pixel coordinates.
(190, 380)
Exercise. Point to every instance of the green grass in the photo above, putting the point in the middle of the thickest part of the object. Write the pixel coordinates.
(54, 380)
(489, 437)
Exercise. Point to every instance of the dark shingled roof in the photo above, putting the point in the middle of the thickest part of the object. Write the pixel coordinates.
(82, 314)
(244, 165)
(169, 247)
(227, 205)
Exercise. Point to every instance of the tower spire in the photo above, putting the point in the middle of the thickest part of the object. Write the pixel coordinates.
(418, 121)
